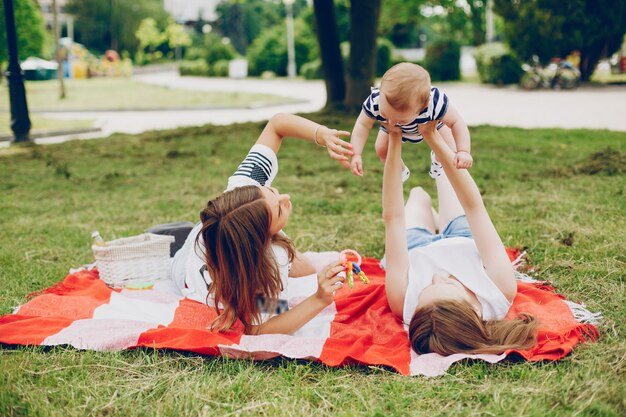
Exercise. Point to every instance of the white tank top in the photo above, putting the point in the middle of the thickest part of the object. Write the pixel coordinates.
(457, 256)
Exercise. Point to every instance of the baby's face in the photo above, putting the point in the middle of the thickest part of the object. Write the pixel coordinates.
(393, 116)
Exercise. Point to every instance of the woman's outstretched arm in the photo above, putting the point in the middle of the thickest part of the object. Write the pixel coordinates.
(396, 251)
(328, 281)
(492, 251)
(284, 124)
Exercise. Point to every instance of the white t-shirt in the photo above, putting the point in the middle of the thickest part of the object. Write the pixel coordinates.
(189, 270)
(457, 256)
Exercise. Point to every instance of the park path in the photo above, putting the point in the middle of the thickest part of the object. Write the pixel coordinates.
(602, 107)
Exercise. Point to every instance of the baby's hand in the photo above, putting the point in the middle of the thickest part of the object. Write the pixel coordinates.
(356, 165)
(463, 160)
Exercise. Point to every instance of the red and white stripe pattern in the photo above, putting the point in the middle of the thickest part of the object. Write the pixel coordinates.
(358, 328)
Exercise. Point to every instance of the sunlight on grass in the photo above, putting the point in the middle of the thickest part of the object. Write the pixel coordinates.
(43, 125)
(124, 94)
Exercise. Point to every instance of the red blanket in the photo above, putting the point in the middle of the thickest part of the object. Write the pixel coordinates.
(358, 328)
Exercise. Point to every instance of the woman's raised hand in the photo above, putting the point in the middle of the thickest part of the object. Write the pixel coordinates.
(328, 281)
(338, 149)
(428, 128)
(392, 129)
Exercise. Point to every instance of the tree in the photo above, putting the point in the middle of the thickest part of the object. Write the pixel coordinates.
(149, 35)
(363, 30)
(111, 24)
(332, 62)
(176, 37)
(30, 27)
(477, 19)
(268, 52)
(552, 28)
(232, 23)
(243, 20)
(399, 21)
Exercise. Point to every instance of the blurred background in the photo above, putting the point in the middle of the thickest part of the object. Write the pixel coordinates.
(89, 55)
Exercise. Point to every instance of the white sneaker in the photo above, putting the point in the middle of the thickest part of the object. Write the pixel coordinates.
(436, 169)
(406, 173)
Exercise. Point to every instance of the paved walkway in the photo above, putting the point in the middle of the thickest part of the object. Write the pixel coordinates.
(587, 107)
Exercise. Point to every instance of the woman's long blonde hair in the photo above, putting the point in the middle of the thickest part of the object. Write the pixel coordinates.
(448, 327)
(239, 256)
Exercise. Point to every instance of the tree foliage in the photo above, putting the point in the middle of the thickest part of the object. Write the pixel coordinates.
(400, 20)
(30, 28)
(552, 28)
(243, 20)
(149, 35)
(442, 60)
(268, 52)
(111, 24)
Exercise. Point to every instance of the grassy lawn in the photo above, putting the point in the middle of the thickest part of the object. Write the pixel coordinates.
(539, 186)
(123, 94)
(42, 124)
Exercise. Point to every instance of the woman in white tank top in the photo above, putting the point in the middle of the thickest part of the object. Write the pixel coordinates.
(454, 288)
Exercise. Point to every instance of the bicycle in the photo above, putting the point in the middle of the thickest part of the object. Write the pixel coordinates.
(560, 75)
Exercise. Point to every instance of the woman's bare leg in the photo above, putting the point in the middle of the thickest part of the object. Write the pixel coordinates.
(418, 211)
(449, 205)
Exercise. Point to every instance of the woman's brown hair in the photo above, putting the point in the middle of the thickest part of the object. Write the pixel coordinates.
(239, 256)
(449, 327)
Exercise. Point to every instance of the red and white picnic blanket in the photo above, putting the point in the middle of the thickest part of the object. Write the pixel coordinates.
(358, 328)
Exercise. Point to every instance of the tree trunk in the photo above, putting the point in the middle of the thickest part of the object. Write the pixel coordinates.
(477, 11)
(364, 16)
(589, 58)
(332, 63)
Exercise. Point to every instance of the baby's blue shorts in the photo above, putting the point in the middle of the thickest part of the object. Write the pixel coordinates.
(419, 236)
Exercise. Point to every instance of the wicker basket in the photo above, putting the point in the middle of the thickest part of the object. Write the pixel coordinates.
(137, 258)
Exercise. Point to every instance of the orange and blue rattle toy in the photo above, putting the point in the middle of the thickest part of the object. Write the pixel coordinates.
(353, 268)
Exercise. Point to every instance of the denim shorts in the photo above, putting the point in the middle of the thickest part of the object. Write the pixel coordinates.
(419, 236)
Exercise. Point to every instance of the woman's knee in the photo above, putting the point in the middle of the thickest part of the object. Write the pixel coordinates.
(419, 196)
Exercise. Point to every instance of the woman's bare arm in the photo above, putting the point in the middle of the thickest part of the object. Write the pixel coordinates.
(301, 266)
(490, 246)
(283, 124)
(290, 321)
(396, 251)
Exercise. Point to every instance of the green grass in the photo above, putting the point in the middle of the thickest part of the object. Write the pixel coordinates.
(126, 94)
(536, 184)
(43, 124)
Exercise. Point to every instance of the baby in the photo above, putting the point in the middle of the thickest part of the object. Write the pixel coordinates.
(406, 99)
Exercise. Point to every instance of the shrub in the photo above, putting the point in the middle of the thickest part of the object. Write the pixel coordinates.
(443, 59)
(268, 52)
(506, 69)
(216, 49)
(384, 52)
(220, 68)
(312, 70)
(196, 67)
(497, 65)
(194, 52)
